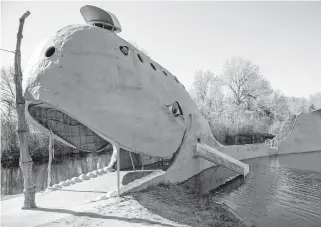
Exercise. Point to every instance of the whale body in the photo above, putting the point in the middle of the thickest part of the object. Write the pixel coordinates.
(87, 85)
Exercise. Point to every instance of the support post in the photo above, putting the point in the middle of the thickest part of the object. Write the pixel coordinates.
(131, 158)
(25, 160)
(113, 160)
(50, 159)
(118, 170)
(142, 162)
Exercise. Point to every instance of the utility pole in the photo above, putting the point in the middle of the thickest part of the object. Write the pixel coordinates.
(25, 160)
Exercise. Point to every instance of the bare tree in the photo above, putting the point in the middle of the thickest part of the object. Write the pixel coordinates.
(244, 81)
(25, 158)
(279, 105)
(312, 107)
(8, 109)
(207, 93)
(315, 99)
(298, 104)
(7, 93)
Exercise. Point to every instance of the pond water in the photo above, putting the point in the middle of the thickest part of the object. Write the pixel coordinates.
(67, 167)
(281, 190)
(63, 168)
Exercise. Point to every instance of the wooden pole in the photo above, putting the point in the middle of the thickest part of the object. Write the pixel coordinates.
(118, 171)
(25, 160)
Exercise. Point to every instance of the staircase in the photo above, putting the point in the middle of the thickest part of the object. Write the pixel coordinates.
(219, 158)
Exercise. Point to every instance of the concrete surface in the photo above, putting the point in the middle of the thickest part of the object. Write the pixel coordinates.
(57, 204)
(305, 136)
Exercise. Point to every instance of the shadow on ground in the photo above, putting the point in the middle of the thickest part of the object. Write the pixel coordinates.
(99, 216)
(131, 176)
(178, 204)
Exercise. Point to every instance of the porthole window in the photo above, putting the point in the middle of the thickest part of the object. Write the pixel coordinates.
(153, 66)
(140, 58)
(99, 25)
(108, 27)
(165, 73)
(50, 51)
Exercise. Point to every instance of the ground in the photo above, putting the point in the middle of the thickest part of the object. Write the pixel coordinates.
(158, 206)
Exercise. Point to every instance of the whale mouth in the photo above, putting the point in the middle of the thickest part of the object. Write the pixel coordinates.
(71, 131)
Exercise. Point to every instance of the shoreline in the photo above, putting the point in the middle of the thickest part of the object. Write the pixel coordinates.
(6, 197)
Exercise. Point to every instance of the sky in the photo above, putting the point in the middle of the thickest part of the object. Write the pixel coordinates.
(282, 38)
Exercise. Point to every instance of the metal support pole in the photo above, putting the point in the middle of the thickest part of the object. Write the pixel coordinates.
(50, 159)
(131, 158)
(118, 168)
(142, 162)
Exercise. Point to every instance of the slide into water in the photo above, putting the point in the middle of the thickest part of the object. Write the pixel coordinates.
(300, 133)
(305, 135)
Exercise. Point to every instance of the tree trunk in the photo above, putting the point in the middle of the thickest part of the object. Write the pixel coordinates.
(25, 160)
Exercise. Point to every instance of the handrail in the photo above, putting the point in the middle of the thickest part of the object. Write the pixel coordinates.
(273, 143)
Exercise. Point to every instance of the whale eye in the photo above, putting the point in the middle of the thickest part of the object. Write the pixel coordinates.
(50, 51)
(175, 109)
(124, 50)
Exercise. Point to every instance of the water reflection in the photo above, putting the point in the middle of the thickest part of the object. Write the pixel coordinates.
(275, 194)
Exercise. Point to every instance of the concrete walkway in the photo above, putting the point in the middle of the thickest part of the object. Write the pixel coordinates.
(58, 204)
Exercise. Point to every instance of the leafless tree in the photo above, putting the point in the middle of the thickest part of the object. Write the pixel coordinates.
(8, 111)
(244, 81)
(207, 93)
(312, 107)
(315, 99)
(298, 104)
(7, 93)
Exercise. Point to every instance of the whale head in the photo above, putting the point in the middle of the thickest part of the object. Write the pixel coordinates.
(89, 87)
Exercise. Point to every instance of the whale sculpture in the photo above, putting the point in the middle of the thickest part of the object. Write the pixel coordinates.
(90, 88)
